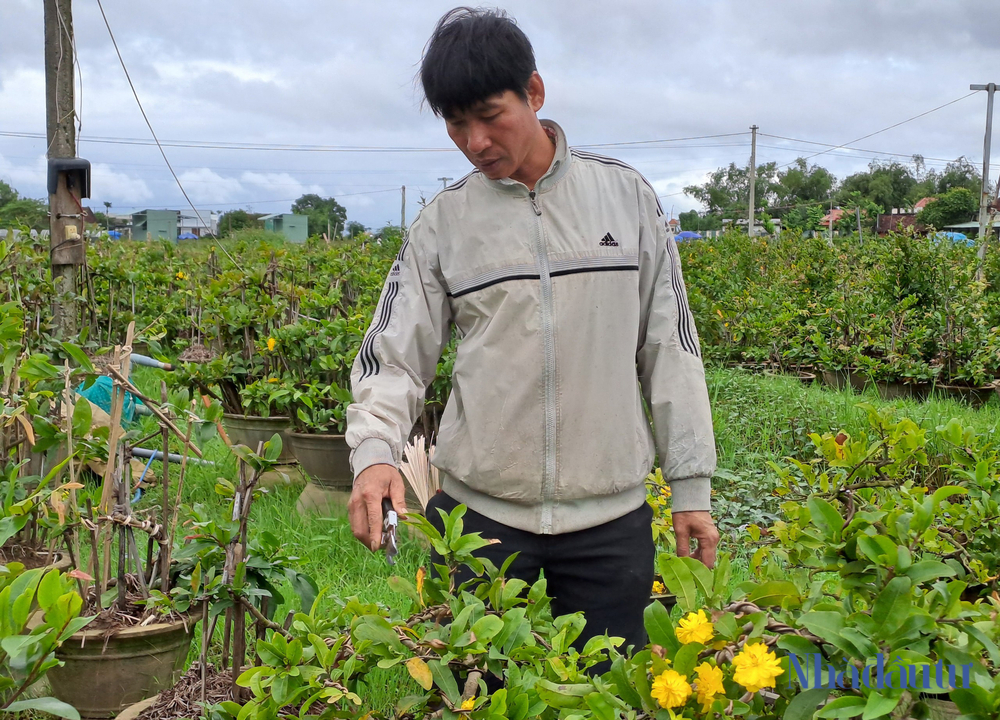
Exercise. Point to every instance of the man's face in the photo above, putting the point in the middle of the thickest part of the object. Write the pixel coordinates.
(497, 134)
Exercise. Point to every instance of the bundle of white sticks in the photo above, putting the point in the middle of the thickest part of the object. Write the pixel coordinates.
(418, 471)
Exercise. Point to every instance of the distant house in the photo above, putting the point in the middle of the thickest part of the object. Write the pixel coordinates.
(155, 224)
(922, 203)
(294, 227)
(832, 216)
(189, 223)
(674, 226)
(894, 221)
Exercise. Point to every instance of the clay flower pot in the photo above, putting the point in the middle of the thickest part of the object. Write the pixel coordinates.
(101, 678)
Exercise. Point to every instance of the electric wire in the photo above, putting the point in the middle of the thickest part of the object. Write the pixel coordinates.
(890, 127)
(153, 133)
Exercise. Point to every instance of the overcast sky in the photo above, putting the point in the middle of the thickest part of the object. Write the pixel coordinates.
(341, 73)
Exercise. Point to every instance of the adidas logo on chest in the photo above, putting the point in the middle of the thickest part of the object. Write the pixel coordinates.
(608, 241)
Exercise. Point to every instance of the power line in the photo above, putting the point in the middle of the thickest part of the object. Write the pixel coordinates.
(647, 142)
(153, 133)
(890, 127)
(854, 149)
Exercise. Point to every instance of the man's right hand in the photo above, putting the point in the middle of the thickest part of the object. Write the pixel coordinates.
(365, 506)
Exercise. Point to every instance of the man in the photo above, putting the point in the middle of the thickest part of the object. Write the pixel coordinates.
(555, 267)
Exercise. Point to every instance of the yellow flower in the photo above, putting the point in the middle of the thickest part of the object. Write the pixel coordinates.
(658, 588)
(180, 275)
(695, 628)
(273, 380)
(708, 685)
(756, 667)
(671, 689)
(469, 704)
(271, 344)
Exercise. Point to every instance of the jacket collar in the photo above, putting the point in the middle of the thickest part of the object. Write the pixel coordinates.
(556, 171)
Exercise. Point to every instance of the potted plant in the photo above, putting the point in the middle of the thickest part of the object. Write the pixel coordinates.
(230, 571)
(131, 648)
(317, 358)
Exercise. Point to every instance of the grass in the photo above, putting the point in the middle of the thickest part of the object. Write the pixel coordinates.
(757, 419)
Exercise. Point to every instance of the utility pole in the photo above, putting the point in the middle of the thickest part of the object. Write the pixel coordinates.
(861, 239)
(444, 181)
(984, 197)
(402, 211)
(66, 242)
(753, 178)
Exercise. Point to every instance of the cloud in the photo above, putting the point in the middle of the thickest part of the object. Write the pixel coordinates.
(273, 186)
(342, 74)
(119, 187)
(205, 186)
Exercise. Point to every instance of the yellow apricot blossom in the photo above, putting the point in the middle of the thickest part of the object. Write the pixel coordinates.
(756, 667)
(271, 344)
(658, 588)
(708, 684)
(469, 704)
(671, 689)
(695, 628)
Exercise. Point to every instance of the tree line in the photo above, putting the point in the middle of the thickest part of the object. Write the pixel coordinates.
(801, 194)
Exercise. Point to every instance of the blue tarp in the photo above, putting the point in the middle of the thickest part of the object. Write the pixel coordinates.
(953, 236)
(187, 236)
(687, 235)
(99, 393)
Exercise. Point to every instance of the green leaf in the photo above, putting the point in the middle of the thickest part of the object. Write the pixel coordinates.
(79, 356)
(984, 640)
(892, 606)
(926, 570)
(486, 627)
(445, 681)
(625, 690)
(49, 589)
(803, 705)
(679, 580)
(687, 657)
(826, 518)
(658, 626)
(843, 707)
(774, 592)
(82, 418)
(45, 704)
(879, 706)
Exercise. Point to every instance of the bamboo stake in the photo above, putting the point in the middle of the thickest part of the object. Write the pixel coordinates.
(123, 360)
(165, 511)
(127, 385)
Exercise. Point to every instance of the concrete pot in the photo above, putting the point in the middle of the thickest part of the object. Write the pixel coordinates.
(975, 396)
(100, 680)
(891, 390)
(250, 430)
(325, 458)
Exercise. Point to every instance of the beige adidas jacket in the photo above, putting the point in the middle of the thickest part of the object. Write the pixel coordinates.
(571, 309)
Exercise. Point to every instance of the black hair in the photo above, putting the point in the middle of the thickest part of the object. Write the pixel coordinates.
(472, 55)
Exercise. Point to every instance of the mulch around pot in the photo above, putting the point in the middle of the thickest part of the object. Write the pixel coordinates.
(29, 557)
(196, 354)
(183, 700)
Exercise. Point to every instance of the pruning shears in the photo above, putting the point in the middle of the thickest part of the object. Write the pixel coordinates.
(389, 522)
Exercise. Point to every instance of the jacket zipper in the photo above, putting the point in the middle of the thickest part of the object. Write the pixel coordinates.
(548, 335)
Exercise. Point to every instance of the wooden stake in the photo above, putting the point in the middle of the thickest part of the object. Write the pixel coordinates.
(165, 510)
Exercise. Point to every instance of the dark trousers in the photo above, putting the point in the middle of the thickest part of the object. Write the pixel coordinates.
(604, 571)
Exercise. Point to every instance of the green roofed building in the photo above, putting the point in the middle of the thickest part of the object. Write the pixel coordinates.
(294, 227)
(154, 224)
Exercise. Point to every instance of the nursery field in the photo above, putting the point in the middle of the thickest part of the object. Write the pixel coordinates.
(857, 496)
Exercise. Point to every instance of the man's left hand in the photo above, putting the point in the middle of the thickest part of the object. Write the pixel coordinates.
(697, 524)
